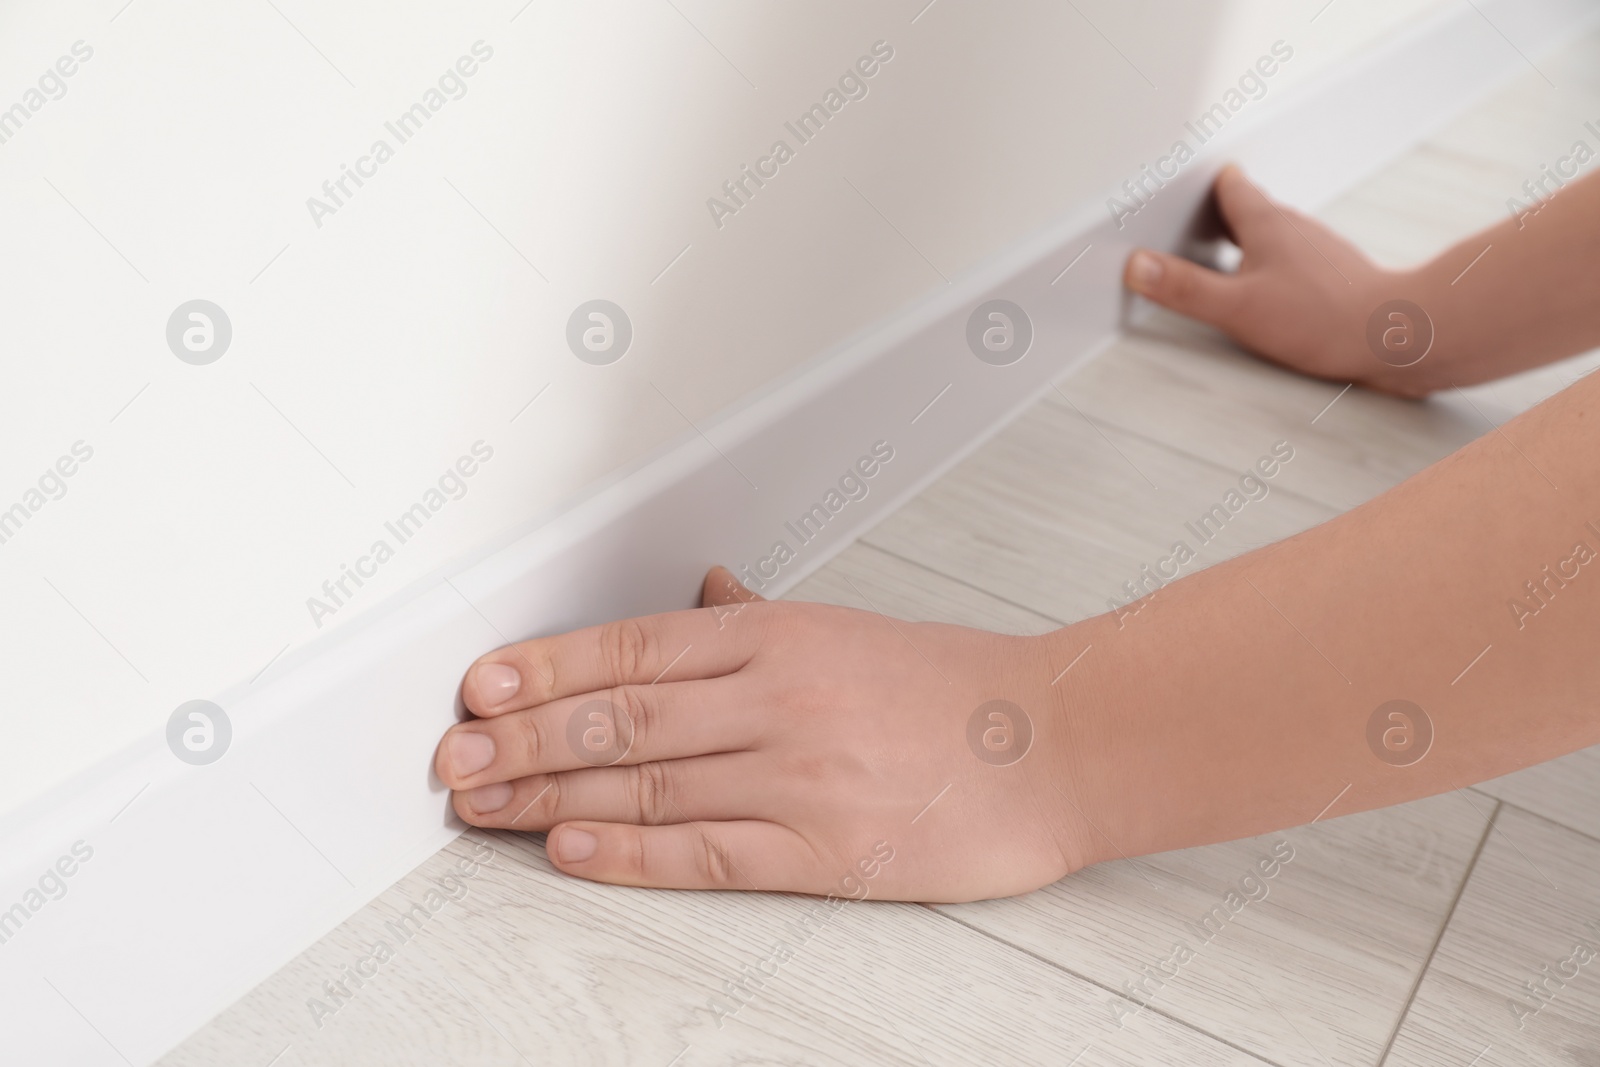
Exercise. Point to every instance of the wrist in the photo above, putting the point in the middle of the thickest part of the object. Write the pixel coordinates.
(1079, 779)
(1400, 315)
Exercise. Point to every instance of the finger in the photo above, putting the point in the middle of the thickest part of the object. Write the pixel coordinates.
(721, 589)
(1185, 287)
(708, 855)
(630, 724)
(695, 644)
(1250, 215)
(650, 794)
(1261, 226)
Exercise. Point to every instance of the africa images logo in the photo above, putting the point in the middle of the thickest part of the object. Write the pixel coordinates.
(738, 191)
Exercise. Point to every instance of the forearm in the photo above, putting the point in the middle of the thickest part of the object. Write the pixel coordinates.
(1238, 700)
(1533, 297)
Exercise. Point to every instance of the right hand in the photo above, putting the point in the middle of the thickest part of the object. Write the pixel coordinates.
(1301, 297)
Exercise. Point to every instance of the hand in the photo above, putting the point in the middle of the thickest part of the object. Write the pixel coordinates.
(775, 746)
(1301, 297)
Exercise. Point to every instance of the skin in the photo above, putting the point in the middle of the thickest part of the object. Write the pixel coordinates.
(793, 746)
(1303, 294)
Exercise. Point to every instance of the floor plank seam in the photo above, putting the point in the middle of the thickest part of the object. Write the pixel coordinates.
(1444, 927)
(524, 841)
(963, 582)
(1544, 818)
(1191, 1027)
(1208, 461)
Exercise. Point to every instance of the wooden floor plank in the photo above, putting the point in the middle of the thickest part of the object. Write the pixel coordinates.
(1057, 512)
(522, 965)
(1179, 383)
(1176, 382)
(1566, 791)
(1312, 964)
(1529, 914)
(868, 578)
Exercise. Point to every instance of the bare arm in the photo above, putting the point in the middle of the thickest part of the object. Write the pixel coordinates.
(1244, 696)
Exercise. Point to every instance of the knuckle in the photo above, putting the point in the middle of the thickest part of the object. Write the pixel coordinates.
(641, 708)
(716, 866)
(535, 739)
(625, 648)
(535, 665)
(650, 798)
(643, 861)
(542, 808)
(551, 800)
(544, 682)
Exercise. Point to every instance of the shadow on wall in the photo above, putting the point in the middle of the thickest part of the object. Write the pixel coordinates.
(743, 186)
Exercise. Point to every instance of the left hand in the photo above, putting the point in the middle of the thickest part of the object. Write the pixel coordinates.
(777, 746)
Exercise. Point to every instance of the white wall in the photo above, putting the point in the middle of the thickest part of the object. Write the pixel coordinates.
(379, 346)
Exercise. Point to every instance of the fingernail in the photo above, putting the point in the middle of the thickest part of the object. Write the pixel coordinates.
(575, 846)
(488, 799)
(1144, 272)
(496, 683)
(470, 751)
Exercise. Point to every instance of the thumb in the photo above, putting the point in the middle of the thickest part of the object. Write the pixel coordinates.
(1185, 287)
(722, 588)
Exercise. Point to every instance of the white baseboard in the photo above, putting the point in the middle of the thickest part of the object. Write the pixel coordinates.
(204, 880)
